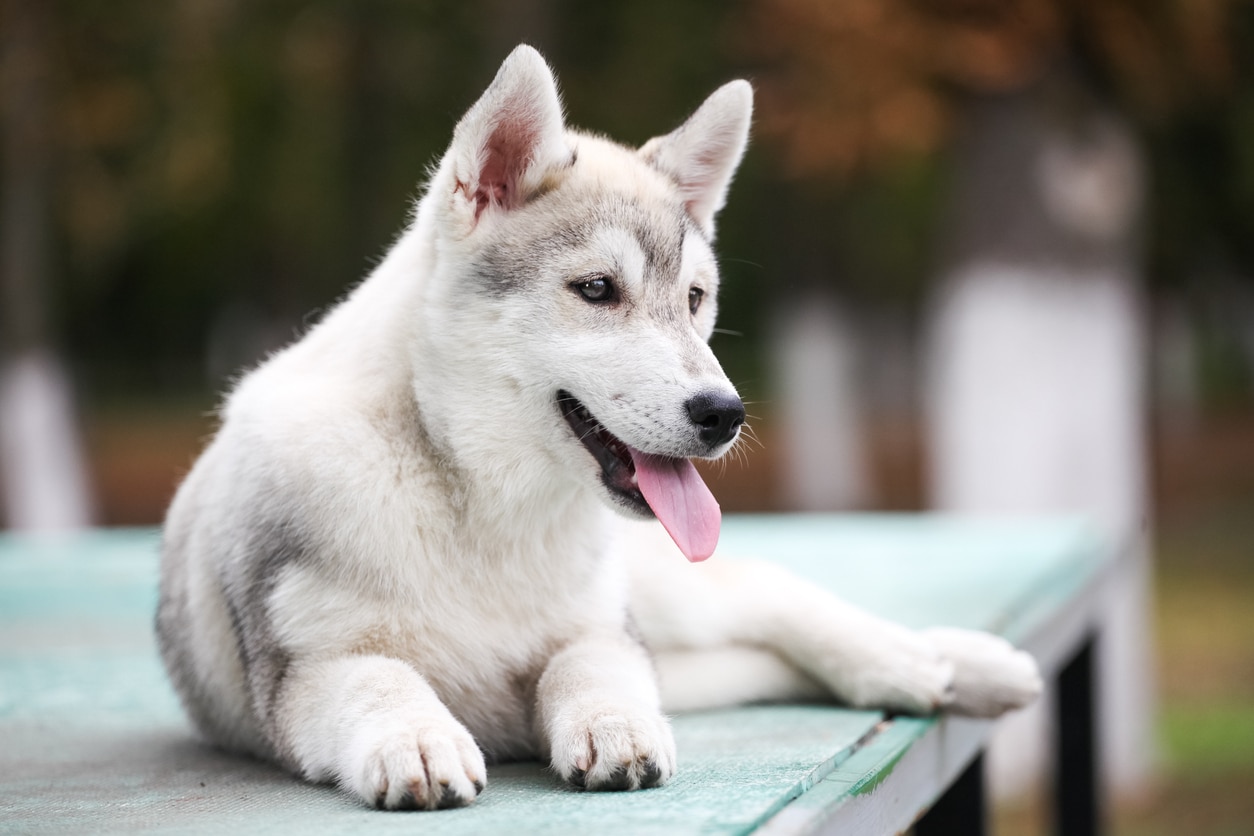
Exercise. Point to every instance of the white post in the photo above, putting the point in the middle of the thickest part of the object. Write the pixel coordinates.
(42, 470)
(818, 408)
(1035, 396)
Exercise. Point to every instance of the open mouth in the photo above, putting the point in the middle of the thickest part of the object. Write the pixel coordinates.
(649, 485)
(618, 468)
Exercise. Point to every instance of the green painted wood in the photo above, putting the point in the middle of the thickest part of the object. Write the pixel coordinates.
(92, 738)
(922, 570)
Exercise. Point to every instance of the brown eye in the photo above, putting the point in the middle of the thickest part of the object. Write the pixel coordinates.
(695, 295)
(598, 289)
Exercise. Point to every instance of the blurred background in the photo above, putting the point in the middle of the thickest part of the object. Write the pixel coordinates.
(990, 256)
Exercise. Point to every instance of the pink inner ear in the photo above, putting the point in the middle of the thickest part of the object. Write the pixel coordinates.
(701, 182)
(510, 150)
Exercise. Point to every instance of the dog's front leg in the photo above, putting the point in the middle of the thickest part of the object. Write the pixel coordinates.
(600, 715)
(375, 727)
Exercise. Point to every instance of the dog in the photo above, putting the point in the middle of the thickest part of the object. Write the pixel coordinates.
(425, 536)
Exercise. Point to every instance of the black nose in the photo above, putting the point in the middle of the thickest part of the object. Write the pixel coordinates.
(718, 415)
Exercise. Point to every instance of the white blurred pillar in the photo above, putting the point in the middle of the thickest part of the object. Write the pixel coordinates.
(818, 408)
(1035, 407)
(42, 475)
(1035, 399)
(42, 469)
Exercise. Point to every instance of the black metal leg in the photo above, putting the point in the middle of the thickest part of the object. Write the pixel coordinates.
(1077, 803)
(961, 811)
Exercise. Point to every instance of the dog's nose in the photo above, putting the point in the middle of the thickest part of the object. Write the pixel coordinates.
(717, 414)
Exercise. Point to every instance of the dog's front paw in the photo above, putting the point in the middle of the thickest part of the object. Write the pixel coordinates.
(613, 750)
(991, 676)
(423, 764)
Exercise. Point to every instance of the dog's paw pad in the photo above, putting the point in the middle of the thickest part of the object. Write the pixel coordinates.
(652, 775)
(615, 752)
(423, 767)
(449, 797)
(619, 779)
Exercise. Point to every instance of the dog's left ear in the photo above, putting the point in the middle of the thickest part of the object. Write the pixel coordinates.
(702, 154)
(511, 138)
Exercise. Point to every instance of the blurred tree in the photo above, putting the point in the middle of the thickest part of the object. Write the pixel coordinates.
(220, 162)
(43, 481)
(863, 85)
(220, 169)
(24, 229)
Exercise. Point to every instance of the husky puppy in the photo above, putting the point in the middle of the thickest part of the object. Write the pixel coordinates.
(415, 543)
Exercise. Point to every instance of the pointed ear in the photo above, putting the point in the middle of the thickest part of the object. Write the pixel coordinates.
(506, 143)
(702, 154)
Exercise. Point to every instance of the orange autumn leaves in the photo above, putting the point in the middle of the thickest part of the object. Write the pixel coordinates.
(853, 85)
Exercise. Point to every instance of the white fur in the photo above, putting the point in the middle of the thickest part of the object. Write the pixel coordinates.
(396, 557)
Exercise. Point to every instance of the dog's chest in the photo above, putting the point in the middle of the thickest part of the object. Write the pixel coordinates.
(482, 643)
(485, 667)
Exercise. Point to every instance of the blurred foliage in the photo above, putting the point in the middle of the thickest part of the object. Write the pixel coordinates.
(222, 168)
(860, 82)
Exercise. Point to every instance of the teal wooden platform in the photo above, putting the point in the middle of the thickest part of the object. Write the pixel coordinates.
(92, 738)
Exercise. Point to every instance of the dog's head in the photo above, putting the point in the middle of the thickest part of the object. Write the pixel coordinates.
(577, 275)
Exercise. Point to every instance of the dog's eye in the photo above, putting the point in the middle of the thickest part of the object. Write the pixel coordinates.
(695, 295)
(599, 289)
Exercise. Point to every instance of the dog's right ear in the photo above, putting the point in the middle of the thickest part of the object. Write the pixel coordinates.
(510, 139)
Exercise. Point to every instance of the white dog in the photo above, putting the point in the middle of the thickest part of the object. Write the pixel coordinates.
(415, 542)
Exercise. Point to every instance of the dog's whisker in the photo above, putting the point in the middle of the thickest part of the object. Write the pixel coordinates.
(750, 436)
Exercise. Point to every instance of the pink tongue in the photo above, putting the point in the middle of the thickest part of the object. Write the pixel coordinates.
(681, 501)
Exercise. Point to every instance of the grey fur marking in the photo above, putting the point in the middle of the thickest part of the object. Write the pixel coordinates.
(172, 642)
(247, 589)
(273, 539)
(504, 268)
(508, 266)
